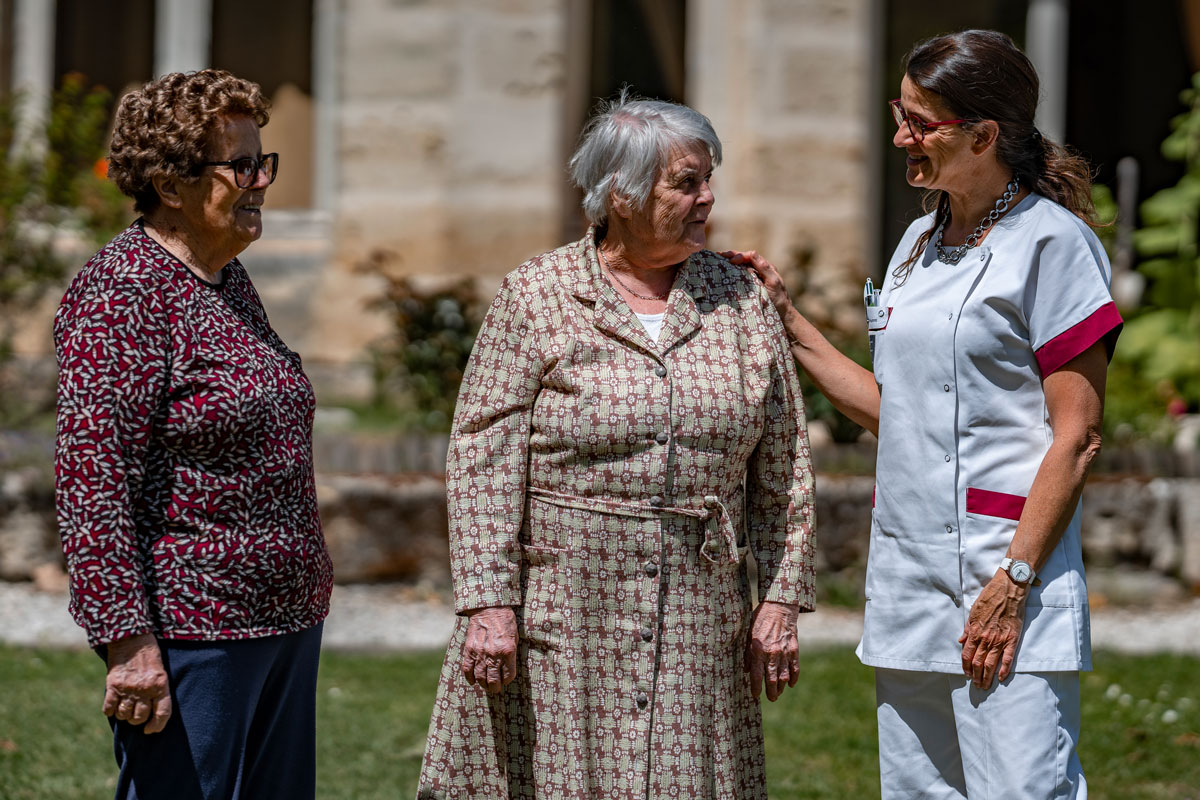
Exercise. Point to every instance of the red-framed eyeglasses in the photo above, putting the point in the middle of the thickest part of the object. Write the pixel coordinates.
(916, 126)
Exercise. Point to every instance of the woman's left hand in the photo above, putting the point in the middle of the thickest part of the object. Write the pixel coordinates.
(772, 650)
(490, 652)
(993, 629)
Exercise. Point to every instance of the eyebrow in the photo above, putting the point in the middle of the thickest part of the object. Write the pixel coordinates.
(685, 172)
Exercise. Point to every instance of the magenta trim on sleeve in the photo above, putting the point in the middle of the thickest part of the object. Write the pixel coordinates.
(1079, 337)
(994, 504)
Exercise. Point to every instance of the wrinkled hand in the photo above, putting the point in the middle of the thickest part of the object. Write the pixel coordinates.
(993, 629)
(766, 273)
(490, 653)
(772, 650)
(137, 689)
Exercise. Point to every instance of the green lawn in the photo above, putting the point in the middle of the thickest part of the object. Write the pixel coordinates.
(1141, 727)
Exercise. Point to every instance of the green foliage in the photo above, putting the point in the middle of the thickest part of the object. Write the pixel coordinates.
(818, 407)
(418, 369)
(1141, 726)
(50, 189)
(1157, 365)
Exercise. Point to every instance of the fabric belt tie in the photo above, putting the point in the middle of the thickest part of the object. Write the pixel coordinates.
(720, 541)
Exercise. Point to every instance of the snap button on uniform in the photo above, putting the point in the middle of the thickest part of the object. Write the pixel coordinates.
(947, 458)
(949, 529)
(647, 634)
(660, 371)
(650, 569)
(946, 387)
(642, 700)
(662, 437)
(657, 501)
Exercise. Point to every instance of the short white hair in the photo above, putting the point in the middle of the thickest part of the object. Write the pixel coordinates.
(623, 147)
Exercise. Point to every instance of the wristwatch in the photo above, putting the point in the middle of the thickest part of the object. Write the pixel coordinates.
(1020, 571)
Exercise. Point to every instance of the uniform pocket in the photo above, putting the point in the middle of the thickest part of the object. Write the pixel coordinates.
(995, 504)
(540, 618)
(992, 519)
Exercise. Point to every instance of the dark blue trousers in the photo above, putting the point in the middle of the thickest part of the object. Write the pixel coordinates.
(243, 725)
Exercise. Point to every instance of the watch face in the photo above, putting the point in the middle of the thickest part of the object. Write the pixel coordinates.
(1020, 572)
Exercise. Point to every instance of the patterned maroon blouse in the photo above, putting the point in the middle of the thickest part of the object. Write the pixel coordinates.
(186, 501)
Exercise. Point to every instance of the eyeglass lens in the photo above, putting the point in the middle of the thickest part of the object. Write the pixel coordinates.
(245, 170)
(898, 114)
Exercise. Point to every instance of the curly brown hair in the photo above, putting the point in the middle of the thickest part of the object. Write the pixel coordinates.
(164, 128)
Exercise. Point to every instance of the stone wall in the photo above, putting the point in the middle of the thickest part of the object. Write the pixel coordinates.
(1141, 536)
(787, 84)
(448, 159)
(451, 128)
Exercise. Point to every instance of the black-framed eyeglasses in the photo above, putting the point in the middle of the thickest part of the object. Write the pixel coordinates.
(916, 126)
(245, 170)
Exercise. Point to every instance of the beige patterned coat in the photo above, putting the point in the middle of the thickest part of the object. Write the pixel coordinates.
(608, 488)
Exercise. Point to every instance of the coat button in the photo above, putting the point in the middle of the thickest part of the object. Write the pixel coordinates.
(662, 438)
(660, 371)
(949, 529)
(947, 458)
(946, 386)
(650, 569)
(647, 634)
(642, 700)
(657, 500)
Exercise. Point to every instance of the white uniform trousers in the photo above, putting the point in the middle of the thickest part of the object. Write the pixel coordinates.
(942, 738)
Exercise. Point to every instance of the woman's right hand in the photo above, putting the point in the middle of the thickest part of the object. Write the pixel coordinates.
(766, 273)
(137, 689)
(490, 652)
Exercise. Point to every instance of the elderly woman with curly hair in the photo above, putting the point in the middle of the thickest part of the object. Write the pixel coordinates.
(629, 428)
(186, 500)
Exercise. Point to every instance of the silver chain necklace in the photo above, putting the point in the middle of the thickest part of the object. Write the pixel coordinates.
(954, 255)
(612, 274)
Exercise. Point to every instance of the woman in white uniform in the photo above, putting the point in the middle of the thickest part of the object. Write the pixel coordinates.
(992, 334)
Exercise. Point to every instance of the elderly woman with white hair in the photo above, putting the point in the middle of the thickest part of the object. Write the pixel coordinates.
(629, 428)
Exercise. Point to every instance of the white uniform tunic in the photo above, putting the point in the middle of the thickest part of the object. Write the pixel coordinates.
(963, 429)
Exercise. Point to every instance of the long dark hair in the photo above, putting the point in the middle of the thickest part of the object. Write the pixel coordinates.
(982, 75)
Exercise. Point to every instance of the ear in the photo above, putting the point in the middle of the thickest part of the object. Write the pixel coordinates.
(986, 133)
(168, 187)
(618, 203)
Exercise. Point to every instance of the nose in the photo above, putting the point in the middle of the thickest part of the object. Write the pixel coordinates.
(903, 136)
(262, 178)
(706, 195)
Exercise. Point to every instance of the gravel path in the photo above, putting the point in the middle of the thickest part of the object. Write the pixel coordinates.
(400, 618)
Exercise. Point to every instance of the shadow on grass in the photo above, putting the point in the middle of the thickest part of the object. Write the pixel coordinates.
(1141, 738)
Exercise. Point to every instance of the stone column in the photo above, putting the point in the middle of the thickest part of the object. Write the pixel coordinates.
(182, 35)
(1046, 37)
(327, 30)
(33, 69)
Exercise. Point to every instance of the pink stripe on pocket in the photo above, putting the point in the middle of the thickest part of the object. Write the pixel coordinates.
(995, 504)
